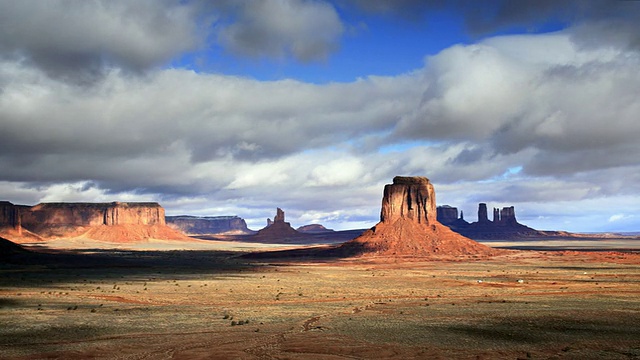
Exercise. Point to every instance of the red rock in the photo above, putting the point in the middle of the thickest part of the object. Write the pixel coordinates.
(408, 226)
(114, 221)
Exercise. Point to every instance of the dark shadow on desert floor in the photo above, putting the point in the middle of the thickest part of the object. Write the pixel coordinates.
(46, 266)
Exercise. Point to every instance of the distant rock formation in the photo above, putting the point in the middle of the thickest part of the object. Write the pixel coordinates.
(504, 225)
(408, 226)
(206, 225)
(446, 214)
(277, 230)
(313, 229)
(115, 221)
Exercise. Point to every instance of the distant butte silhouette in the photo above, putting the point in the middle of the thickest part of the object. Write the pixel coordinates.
(408, 226)
(277, 230)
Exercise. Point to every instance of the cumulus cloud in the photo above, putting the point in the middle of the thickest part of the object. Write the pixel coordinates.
(514, 98)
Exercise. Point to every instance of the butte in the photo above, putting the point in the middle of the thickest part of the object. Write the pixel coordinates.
(408, 227)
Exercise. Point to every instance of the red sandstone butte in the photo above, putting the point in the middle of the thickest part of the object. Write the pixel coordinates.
(408, 226)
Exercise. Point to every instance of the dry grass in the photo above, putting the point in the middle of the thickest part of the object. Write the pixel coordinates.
(209, 304)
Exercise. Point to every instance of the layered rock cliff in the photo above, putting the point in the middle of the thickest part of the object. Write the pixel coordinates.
(115, 221)
(201, 225)
(408, 226)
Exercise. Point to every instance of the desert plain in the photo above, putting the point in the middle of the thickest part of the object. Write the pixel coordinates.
(71, 299)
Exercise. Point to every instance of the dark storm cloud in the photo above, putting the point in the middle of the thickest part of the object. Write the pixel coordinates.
(613, 21)
(305, 30)
(77, 40)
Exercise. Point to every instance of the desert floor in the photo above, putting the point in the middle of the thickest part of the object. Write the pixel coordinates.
(208, 303)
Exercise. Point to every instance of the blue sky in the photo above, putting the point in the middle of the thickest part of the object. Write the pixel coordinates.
(239, 107)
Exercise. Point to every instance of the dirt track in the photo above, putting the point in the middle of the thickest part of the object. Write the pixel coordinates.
(211, 305)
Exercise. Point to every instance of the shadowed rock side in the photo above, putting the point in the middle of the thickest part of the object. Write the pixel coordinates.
(207, 225)
(314, 229)
(408, 226)
(114, 222)
(504, 225)
(8, 248)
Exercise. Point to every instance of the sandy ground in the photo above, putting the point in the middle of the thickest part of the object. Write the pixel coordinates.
(202, 301)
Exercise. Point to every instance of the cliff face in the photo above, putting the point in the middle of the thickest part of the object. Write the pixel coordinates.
(114, 221)
(208, 224)
(93, 214)
(9, 215)
(411, 198)
(409, 227)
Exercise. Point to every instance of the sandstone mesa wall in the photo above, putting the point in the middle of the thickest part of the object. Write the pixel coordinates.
(46, 216)
(93, 214)
(410, 198)
(9, 215)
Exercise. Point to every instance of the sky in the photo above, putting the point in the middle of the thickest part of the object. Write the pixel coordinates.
(238, 107)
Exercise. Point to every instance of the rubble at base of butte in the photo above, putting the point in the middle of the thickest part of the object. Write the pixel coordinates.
(408, 226)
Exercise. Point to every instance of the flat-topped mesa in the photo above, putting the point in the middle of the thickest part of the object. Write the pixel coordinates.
(94, 214)
(411, 198)
(447, 214)
(409, 227)
(114, 221)
(205, 225)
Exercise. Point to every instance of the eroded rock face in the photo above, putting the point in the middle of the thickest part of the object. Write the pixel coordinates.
(409, 227)
(9, 215)
(410, 198)
(117, 221)
(93, 214)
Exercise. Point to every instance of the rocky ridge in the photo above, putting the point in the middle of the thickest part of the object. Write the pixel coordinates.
(207, 225)
(504, 225)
